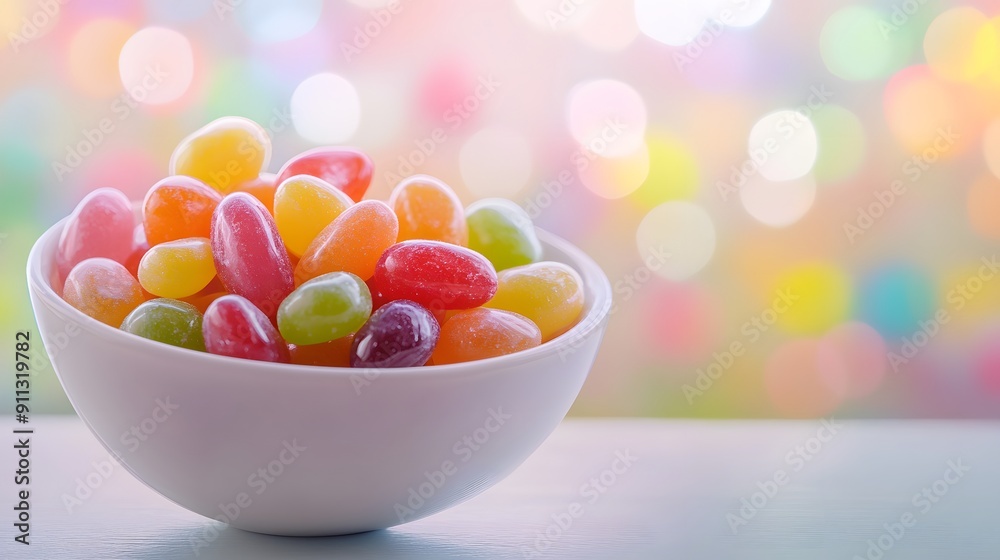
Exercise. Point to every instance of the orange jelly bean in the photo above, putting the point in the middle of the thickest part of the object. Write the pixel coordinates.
(103, 289)
(353, 243)
(480, 333)
(178, 207)
(262, 188)
(336, 353)
(427, 208)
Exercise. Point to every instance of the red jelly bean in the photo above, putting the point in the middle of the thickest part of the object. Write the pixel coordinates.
(101, 226)
(434, 274)
(232, 326)
(250, 258)
(345, 168)
(139, 248)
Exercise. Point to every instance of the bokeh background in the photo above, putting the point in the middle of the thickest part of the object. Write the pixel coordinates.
(798, 203)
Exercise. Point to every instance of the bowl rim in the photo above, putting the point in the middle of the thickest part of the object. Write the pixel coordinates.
(595, 315)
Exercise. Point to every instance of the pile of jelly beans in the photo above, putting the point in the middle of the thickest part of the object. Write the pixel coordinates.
(296, 267)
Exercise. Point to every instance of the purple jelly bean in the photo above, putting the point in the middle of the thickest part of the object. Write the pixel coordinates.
(401, 333)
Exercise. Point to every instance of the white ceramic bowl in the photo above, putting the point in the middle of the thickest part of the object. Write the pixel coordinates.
(303, 450)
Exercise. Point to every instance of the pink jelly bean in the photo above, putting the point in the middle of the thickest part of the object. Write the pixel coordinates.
(250, 258)
(100, 226)
(235, 327)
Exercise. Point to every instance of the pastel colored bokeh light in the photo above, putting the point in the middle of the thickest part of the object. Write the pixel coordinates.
(93, 55)
(608, 117)
(673, 171)
(822, 295)
(841, 143)
(778, 203)
(156, 65)
(326, 108)
(895, 298)
(271, 22)
(784, 144)
(796, 383)
(683, 233)
(852, 359)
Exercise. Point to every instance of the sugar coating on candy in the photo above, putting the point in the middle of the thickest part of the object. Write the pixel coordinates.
(232, 326)
(103, 289)
(224, 153)
(139, 247)
(100, 226)
(177, 269)
(325, 308)
(250, 257)
(399, 334)
(345, 168)
(303, 207)
(178, 207)
(168, 321)
(353, 243)
(434, 274)
(427, 208)
(335, 353)
(548, 293)
(503, 233)
(477, 334)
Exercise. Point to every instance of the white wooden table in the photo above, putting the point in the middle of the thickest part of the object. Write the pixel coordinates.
(680, 497)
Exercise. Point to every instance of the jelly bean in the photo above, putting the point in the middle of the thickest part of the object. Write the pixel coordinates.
(480, 333)
(232, 326)
(168, 321)
(177, 269)
(435, 274)
(178, 207)
(503, 233)
(139, 248)
(262, 188)
(249, 256)
(336, 353)
(303, 206)
(202, 300)
(103, 289)
(352, 243)
(548, 293)
(224, 153)
(100, 226)
(347, 169)
(428, 209)
(399, 334)
(325, 308)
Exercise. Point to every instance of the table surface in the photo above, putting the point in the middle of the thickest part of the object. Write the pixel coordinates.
(813, 489)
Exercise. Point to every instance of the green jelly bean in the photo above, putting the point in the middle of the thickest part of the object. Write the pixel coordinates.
(503, 233)
(168, 321)
(325, 308)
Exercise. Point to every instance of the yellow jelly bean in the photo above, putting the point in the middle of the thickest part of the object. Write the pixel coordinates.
(548, 293)
(177, 269)
(303, 207)
(223, 154)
